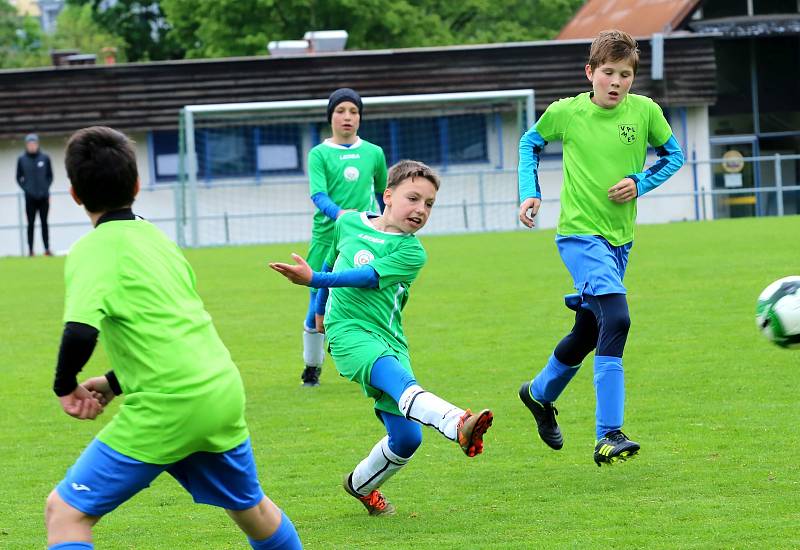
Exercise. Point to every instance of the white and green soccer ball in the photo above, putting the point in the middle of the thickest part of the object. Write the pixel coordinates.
(778, 312)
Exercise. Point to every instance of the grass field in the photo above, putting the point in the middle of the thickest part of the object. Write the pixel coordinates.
(714, 405)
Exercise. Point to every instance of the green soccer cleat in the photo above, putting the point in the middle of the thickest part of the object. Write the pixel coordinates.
(545, 416)
(614, 447)
(375, 503)
(470, 430)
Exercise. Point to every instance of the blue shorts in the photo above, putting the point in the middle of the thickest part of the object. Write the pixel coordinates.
(102, 479)
(597, 267)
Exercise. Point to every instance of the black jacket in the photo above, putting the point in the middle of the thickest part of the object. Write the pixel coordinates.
(35, 175)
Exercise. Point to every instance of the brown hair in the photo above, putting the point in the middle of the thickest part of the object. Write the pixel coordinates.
(406, 169)
(614, 45)
(101, 166)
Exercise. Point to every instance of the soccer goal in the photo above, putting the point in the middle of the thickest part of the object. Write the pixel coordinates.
(242, 166)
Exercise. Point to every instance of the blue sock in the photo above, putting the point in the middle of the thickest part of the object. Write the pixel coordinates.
(552, 380)
(72, 546)
(285, 538)
(609, 384)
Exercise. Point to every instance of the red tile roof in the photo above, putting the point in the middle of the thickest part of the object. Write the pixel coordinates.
(636, 17)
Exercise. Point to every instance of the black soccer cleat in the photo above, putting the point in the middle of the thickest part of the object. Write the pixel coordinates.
(545, 415)
(310, 376)
(614, 447)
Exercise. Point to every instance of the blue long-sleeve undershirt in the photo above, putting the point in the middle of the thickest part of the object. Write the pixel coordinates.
(670, 160)
(326, 205)
(358, 277)
(331, 209)
(531, 145)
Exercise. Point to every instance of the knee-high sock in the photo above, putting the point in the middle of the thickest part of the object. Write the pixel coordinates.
(552, 380)
(313, 347)
(430, 410)
(609, 384)
(285, 538)
(71, 546)
(373, 471)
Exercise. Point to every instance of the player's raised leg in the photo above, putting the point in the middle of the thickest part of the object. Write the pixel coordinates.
(428, 409)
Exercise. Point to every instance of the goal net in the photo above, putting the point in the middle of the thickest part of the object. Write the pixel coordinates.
(242, 167)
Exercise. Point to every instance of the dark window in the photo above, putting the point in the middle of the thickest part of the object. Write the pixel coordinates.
(279, 149)
(713, 9)
(432, 140)
(165, 155)
(467, 138)
(777, 69)
(733, 111)
(233, 152)
(766, 7)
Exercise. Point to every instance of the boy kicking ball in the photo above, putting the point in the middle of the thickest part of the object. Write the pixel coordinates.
(369, 270)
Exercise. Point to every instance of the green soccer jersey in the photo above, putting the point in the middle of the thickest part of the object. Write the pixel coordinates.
(182, 391)
(350, 176)
(601, 147)
(396, 257)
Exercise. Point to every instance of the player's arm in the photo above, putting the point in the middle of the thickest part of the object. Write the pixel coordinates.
(77, 344)
(301, 273)
(531, 145)
(326, 205)
(49, 175)
(380, 180)
(670, 160)
(318, 185)
(20, 174)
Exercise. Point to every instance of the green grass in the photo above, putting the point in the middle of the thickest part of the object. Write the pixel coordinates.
(713, 404)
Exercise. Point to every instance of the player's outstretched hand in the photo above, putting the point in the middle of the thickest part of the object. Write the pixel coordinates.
(527, 205)
(623, 191)
(100, 389)
(299, 274)
(81, 404)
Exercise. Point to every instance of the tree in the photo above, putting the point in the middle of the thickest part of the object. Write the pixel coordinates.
(76, 29)
(21, 39)
(244, 27)
(139, 23)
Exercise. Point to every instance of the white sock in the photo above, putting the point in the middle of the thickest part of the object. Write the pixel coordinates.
(373, 471)
(313, 347)
(430, 410)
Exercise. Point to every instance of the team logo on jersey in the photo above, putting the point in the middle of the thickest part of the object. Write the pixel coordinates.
(363, 257)
(627, 133)
(351, 173)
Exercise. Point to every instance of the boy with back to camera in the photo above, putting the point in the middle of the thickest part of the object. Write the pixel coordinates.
(605, 134)
(184, 407)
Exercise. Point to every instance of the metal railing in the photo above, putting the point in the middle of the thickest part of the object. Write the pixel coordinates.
(245, 212)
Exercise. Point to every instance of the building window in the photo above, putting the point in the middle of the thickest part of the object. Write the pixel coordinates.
(440, 141)
(232, 152)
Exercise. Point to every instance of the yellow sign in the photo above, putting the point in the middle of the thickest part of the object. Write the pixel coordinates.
(733, 161)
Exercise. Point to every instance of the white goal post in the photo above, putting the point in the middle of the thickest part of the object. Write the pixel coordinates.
(241, 166)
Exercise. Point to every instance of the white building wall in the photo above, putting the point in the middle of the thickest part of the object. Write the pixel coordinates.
(473, 197)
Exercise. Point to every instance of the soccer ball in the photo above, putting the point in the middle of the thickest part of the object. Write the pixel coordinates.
(778, 312)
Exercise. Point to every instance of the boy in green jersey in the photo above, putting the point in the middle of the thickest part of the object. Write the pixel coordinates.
(184, 407)
(374, 261)
(605, 134)
(345, 173)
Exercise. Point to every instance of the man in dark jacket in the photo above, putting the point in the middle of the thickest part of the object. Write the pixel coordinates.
(34, 176)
